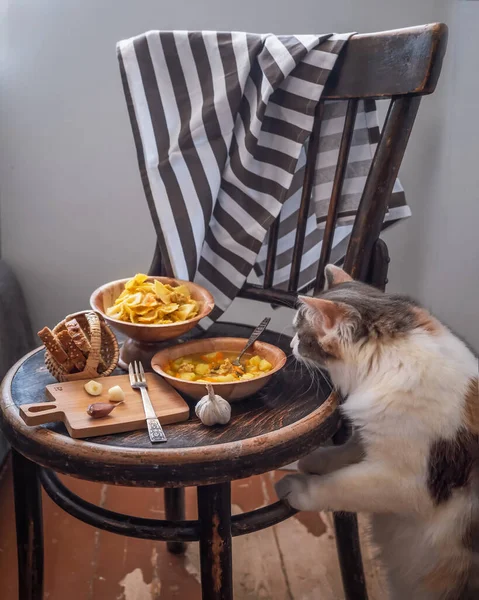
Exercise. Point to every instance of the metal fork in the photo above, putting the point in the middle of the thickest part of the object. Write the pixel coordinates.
(138, 382)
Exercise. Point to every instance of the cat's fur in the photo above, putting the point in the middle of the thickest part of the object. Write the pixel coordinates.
(410, 390)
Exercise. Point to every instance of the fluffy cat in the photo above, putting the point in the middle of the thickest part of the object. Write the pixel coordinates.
(411, 393)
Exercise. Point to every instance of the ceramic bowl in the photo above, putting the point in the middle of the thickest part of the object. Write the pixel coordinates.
(104, 297)
(144, 340)
(230, 391)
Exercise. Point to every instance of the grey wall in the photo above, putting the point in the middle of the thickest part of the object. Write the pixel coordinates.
(448, 257)
(72, 207)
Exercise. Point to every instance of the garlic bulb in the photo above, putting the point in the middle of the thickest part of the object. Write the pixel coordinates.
(213, 409)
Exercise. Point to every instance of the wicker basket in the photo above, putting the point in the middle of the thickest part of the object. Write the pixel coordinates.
(103, 357)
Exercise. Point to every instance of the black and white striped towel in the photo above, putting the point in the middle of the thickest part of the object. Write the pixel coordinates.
(221, 123)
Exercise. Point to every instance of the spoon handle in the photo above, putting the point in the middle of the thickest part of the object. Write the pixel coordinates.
(255, 335)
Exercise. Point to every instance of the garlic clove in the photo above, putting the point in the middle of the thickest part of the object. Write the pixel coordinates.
(93, 388)
(99, 410)
(116, 394)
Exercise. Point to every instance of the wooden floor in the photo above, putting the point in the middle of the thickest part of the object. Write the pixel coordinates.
(295, 560)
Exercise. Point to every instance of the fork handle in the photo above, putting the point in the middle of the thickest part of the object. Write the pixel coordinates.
(255, 335)
(155, 431)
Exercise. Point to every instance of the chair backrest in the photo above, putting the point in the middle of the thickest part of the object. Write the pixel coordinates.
(400, 65)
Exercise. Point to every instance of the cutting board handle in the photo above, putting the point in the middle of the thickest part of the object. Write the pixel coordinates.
(39, 413)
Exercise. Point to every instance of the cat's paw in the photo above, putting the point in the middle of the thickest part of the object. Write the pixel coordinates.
(294, 490)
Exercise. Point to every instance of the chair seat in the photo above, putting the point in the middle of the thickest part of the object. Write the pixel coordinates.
(284, 421)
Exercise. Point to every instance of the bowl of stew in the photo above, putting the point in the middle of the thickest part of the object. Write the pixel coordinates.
(188, 367)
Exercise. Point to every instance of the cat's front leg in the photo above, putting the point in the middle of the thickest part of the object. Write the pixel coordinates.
(331, 458)
(363, 487)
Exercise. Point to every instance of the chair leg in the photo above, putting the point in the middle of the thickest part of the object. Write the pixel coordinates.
(347, 541)
(29, 526)
(349, 554)
(175, 511)
(214, 514)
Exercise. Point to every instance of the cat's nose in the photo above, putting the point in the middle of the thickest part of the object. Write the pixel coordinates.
(293, 341)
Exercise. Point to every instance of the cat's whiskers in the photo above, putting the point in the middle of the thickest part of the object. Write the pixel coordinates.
(312, 376)
(316, 372)
(283, 332)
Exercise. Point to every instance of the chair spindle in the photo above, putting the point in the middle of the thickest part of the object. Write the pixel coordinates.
(379, 184)
(271, 256)
(308, 183)
(339, 176)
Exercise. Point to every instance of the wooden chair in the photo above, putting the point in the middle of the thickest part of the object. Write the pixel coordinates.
(401, 65)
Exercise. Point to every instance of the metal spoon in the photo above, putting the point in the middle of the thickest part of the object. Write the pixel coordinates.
(252, 339)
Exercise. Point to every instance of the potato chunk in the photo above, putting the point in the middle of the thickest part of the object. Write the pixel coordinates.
(254, 361)
(187, 376)
(202, 369)
(264, 365)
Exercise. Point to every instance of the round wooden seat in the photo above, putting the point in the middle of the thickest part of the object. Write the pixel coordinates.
(284, 421)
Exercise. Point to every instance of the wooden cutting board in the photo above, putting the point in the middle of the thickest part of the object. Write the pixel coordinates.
(69, 402)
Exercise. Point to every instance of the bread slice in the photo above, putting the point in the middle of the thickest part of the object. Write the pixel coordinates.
(78, 336)
(54, 347)
(73, 353)
(81, 341)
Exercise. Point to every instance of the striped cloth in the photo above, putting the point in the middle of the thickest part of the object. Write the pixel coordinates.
(221, 123)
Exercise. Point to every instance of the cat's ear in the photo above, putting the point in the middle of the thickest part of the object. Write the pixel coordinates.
(335, 275)
(329, 313)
